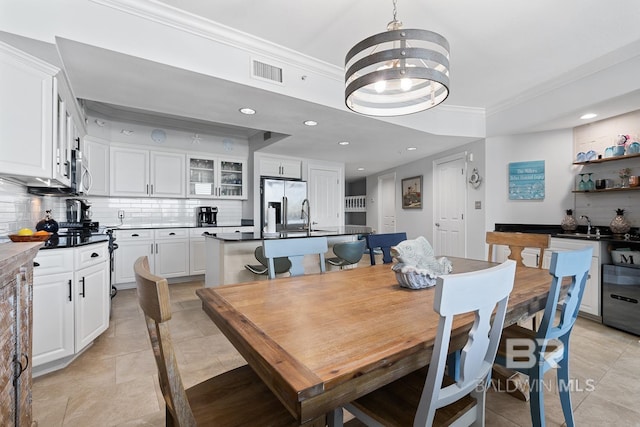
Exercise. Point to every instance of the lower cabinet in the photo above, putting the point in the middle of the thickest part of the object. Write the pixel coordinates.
(70, 308)
(167, 250)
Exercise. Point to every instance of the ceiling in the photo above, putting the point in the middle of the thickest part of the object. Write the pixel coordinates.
(508, 59)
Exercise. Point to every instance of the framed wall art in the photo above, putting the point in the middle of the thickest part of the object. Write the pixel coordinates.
(412, 192)
(526, 180)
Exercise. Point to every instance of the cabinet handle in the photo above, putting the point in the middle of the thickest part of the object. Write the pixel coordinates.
(94, 255)
(82, 293)
(156, 248)
(151, 188)
(36, 264)
(135, 235)
(152, 248)
(19, 369)
(67, 166)
(172, 234)
(78, 145)
(70, 285)
(147, 188)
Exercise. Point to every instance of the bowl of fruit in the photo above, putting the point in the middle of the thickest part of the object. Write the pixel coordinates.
(28, 235)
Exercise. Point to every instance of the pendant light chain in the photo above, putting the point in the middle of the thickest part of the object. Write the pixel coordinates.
(395, 9)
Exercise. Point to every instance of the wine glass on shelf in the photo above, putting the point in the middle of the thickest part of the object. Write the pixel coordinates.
(582, 185)
(590, 184)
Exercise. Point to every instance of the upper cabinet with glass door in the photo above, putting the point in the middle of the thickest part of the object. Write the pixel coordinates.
(217, 178)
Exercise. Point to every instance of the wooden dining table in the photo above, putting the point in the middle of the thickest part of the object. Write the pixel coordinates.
(322, 340)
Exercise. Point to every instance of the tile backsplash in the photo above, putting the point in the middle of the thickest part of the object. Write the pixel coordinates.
(20, 209)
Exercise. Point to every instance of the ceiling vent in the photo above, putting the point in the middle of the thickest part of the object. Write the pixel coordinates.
(266, 136)
(263, 71)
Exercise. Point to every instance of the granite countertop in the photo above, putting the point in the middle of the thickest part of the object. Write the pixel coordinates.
(292, 234)
(159, 226)
(579, 234)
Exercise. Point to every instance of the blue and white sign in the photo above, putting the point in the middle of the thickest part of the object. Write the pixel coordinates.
(526, 180)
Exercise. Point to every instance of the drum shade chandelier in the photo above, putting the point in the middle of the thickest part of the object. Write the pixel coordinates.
(398, 72)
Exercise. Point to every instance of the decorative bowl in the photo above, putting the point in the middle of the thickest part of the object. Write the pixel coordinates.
(411, 278)
(31, 238)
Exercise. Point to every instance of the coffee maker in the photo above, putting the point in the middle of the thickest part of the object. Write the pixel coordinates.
(206, 216)
(78, 211)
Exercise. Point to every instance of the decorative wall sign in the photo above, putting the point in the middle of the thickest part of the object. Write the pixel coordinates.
(526, 180)
(412, 193)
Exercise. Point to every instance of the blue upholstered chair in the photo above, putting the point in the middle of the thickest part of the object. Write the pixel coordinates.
(384, 242)
(347, 253)
(295, 249)
(428, 397)
(550, 344)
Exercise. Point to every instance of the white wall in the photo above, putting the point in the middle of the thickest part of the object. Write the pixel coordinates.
(556, 149)
(419, 222)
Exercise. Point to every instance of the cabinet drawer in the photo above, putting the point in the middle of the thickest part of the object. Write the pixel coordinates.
(53, 261)
(136, 234)
(243, 229)
(172, 233)
(91, 255)
(197, 232)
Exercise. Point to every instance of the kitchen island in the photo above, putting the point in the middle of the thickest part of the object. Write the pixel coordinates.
(227, 254)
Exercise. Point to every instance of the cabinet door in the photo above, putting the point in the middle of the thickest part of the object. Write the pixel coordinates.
(291, 168)
(591, 297)
(92, 303)
(202, 173)
(168, 178)
(172, 258)
(53, 333)
(96, 160)
(7, 350)
(197, 257)
(129, 172)
(61, 148)
(282, 168)
(233, 179)
(126, 254)
(26, 115)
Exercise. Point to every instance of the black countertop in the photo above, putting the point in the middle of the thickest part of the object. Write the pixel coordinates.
(579, 234)
(292, 234)
(72, 240)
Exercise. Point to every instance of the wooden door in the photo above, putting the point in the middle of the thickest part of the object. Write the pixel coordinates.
(326, 195)
(387, 203)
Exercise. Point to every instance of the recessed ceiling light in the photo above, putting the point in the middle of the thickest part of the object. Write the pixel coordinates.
(248, 111)
(360, 169)
(310, 122)
(343, 143)
(588, 116)
(411, 148)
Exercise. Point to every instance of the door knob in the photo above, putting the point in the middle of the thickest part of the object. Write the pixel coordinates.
(437, 224)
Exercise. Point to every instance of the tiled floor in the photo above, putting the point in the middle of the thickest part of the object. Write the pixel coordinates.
(114, 382)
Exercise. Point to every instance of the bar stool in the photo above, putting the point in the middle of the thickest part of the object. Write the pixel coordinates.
(282, 264)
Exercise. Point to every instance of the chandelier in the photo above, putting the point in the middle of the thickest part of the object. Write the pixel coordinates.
(398, 72)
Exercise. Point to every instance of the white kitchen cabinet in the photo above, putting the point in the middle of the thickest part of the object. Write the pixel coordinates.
(167, 250)
(96, 160)
(197, 257)
(39, 119)
(281, 168)
(217, 177)
(591, 297)
(171, 252)
(71, 302)
(143, 173)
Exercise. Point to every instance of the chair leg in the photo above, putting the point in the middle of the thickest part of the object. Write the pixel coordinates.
(564, 387)
(536, 395)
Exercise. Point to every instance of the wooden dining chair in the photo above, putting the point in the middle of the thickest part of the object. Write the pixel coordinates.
(517, 242)
(384, 242)
(235, 398)
(427, 396)
(347, 253)
(295, 249)
(549, 346)
(281, 265)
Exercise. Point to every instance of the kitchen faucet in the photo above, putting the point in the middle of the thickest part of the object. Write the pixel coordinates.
(308, 213)
(588, 223)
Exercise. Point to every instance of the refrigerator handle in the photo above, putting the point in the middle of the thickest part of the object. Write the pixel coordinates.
(284, 211)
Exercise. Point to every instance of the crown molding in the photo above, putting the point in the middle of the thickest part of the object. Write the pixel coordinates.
(175, 18)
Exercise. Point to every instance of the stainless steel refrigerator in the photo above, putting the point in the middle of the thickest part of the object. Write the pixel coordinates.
(286, 196)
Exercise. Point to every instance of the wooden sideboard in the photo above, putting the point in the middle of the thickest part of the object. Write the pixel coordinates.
(16, 290)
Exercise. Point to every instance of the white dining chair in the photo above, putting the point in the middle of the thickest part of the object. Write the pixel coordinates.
(295, 249)
(428, 397)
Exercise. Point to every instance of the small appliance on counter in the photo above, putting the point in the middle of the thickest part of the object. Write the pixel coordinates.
(78, 210)
(47, 223)
(206, 216)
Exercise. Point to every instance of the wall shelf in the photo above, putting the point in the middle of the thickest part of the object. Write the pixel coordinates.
(608, 159)
(607, 190)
